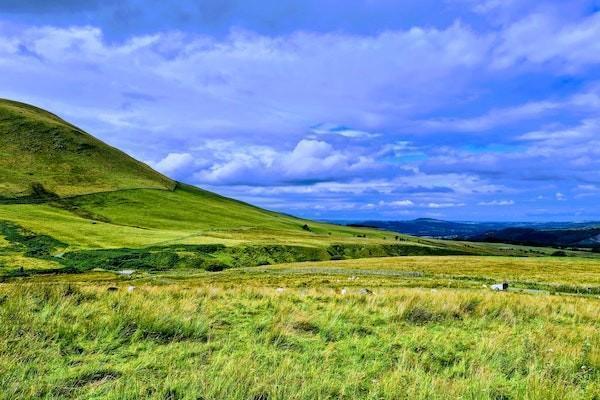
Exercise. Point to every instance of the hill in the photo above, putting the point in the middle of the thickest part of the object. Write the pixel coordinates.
(71, 203)
(558, 234)
(583, 237)
(42, 156)
(434, 227)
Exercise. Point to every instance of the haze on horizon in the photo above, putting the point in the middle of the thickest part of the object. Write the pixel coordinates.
(450, 109)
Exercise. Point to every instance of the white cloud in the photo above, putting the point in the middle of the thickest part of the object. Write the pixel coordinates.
(543, 38)
(309, 160)
(402, 203)
(445, 205)
(174, 162)
(202, 86)
(497, 203)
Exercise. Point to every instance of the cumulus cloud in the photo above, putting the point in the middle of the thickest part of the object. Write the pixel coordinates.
(309, 161)
(174, 162)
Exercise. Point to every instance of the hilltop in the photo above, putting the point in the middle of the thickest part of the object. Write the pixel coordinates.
(43, 156)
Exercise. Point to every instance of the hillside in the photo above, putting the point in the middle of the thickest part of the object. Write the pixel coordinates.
(42, 156)
(70, 202)
(73, 203)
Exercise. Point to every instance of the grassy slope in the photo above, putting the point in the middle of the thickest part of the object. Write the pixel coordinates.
(146, 229)
(38, 148)
(188, 215)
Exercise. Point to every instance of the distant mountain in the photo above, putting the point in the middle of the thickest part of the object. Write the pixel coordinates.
(575, 237)
(563, 234)
(435, 227)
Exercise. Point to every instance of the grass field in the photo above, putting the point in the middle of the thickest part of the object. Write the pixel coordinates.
(429, 330)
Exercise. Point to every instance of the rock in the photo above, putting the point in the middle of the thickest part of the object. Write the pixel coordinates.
(344, 291)
(112, 288)
(280, 290)
(500, 287)
(130, 289)
(365, 291)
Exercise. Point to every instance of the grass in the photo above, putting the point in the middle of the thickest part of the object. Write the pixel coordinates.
(187, 215)
(165, 229)
(234, 335)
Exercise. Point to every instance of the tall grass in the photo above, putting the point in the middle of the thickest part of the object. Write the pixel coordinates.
(217, 341)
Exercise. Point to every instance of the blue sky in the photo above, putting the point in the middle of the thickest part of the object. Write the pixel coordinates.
(354, 109)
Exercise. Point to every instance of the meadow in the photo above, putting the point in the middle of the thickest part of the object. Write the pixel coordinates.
(118, 283)
(426, 328)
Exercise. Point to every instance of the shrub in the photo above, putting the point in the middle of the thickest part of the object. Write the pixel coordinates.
(216, 267)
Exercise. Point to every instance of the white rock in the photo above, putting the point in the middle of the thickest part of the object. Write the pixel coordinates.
(130, 289)
(279, 290)
(344, 291)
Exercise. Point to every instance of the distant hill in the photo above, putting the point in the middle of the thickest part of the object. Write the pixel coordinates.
(576, 237)
(563, 234)
(42, 156)
(434, 227)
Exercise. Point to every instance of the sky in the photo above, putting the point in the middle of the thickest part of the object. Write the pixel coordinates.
(483, 110)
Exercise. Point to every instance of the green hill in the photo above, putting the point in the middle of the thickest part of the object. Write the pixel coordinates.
(42, 156)
(71, 203)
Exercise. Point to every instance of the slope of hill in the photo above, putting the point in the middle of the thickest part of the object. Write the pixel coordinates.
(42, 156)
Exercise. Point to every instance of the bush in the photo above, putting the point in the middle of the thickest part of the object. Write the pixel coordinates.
(216, 267)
